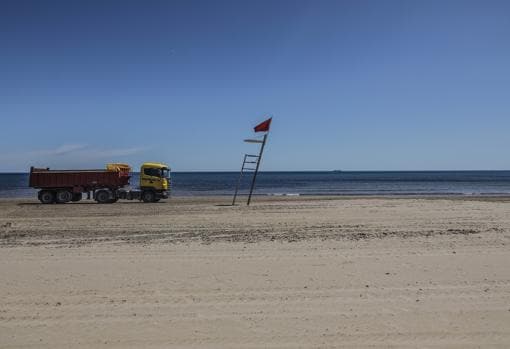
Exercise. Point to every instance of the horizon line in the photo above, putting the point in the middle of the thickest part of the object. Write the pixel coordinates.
(290, 171)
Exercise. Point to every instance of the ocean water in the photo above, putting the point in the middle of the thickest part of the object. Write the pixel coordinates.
(314, 183)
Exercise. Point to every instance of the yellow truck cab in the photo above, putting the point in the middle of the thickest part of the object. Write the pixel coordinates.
(154, 181)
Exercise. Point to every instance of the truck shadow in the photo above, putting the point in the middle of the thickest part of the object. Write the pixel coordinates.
(87, 203)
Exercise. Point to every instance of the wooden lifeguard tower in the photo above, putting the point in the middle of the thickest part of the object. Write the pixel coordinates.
(251, 163)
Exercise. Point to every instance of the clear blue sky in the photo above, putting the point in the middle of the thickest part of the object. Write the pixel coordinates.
(353, 85)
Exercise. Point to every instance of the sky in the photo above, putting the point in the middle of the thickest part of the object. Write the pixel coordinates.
(351, 85)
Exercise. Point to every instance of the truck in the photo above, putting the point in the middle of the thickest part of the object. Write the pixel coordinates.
(103, 186)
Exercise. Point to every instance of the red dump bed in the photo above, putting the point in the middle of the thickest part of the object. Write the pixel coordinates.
(79, 180)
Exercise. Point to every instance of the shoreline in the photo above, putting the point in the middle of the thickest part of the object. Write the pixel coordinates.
(283, 197)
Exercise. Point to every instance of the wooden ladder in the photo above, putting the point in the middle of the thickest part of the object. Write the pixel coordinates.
(248, 162)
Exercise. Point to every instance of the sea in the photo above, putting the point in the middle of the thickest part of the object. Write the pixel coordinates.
(490, 183)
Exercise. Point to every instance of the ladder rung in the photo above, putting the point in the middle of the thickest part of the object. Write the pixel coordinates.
(250, 162)
(252, 156)
(249, 169)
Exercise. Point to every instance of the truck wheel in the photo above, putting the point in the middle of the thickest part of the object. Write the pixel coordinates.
(46, 196)
(148, 196)
(77, 197)
(63, 196)
(103, 196)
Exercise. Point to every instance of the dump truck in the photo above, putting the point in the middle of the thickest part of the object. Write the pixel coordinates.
(104, 186)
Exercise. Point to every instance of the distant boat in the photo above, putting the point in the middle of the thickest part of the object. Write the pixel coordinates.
(336, 171)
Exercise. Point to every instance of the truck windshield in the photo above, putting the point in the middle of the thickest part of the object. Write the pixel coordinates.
(165, 173)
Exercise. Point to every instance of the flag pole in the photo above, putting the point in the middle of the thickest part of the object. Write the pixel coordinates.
(257, 168)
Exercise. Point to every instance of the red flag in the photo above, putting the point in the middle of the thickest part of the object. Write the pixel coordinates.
(263, 126)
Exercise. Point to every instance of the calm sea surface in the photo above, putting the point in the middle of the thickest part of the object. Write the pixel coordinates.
(315, 183)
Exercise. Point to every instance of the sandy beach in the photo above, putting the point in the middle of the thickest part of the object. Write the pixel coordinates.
(283, 273)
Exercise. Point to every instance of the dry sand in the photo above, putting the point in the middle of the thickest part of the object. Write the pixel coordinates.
(283, 273)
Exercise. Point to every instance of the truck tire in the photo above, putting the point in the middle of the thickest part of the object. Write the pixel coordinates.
(103, 196)
(63, 196)
(148, 196)
(46, 196)
(77, 197)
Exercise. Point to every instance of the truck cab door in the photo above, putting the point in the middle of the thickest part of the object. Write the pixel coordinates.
(151, 178)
